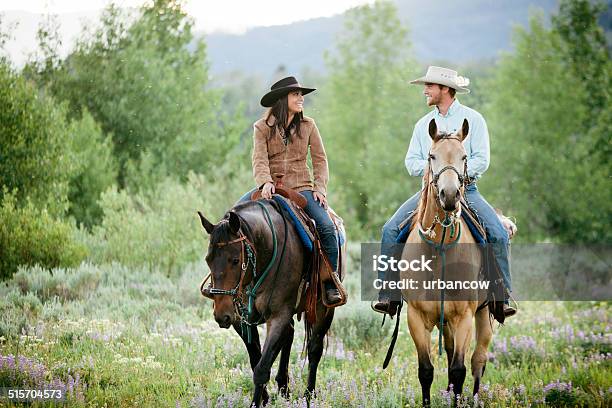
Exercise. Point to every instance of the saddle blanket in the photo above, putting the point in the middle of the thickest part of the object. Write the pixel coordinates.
(297, 218)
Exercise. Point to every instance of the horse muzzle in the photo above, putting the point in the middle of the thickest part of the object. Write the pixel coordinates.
(449, 200)
(224, 320)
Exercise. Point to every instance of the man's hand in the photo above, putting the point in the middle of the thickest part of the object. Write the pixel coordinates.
(508, 224)
(267, 190)
(320, 198)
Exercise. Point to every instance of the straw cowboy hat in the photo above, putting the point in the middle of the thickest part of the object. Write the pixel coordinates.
(281, 88)
(444, 76)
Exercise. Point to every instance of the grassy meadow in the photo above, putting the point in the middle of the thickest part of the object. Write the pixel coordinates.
(118, 337)
(106, 153)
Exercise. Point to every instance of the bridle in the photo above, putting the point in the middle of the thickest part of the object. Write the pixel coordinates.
(246, 311)
(246, 246)
(451, 218)
(463, 177)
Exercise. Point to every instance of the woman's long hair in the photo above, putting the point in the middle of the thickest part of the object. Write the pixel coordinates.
(280, 111)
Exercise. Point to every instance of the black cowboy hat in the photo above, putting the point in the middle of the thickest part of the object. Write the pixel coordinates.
(281, 88)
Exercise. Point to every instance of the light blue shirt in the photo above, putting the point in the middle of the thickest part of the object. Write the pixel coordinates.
(476, 144)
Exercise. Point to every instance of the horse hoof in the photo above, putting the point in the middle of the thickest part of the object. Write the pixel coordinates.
(265, 398)
(262, 399)
(308, 395)
(284, 392)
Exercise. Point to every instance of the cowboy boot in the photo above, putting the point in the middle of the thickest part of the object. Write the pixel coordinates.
(385, 305)
(332, 294)
(509, 310)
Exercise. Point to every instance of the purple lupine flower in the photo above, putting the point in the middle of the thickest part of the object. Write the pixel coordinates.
(410, 395)
(558, 386)
(447, 396)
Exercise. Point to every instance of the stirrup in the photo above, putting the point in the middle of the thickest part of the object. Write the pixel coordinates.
(391, 308)
(510, 310)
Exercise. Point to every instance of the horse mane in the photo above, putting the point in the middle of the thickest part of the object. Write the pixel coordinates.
(420, 210)
(222, 231)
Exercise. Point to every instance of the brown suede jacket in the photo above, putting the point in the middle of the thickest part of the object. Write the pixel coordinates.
(273, 160)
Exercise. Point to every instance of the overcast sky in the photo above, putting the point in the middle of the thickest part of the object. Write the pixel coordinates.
(210, 15)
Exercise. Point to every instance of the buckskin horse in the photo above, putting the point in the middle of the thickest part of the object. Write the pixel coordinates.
(440, 232)
(257, 263)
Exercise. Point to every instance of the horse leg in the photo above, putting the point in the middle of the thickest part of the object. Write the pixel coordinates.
(463, 336)
(282, 377)
(315, 346)
(484, 333)
(254, 350)
(449, 347)
(422, 340)
(261, 374)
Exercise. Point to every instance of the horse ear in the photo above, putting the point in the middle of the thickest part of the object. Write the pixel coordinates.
(234, 222)
(205, 223)
(465, 130)
(433, 129)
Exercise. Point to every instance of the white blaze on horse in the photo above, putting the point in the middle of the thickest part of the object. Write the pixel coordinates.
(439, 227)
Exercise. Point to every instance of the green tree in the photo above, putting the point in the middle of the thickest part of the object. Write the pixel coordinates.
(96, 169)
(367, 112)
(144, 80)
(34, 159)
(542, 172)
(588, 55)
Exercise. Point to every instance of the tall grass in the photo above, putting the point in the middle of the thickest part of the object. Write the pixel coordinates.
(135, 337)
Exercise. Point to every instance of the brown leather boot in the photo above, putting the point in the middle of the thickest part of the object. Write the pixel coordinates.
(333, 296)
(386, 306)
(509, 311)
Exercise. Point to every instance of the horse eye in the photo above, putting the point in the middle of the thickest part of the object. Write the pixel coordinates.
(235, 261)
(464, 158)
(432, 157)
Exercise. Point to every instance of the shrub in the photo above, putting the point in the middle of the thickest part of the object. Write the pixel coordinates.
(66, 284)
(159, 228)
(359, 327)
(29, 236)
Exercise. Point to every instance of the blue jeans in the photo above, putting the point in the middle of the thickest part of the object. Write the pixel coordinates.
(324, 224)
(497, 235)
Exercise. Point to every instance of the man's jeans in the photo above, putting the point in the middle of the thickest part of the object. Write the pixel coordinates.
(496, 233)
(325, 226)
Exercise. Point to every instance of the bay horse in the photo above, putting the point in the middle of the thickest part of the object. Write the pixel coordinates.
(257, 262)
(441, 233)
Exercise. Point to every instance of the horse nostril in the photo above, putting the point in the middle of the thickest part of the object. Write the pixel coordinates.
(226, 319)
(458, 195)
(442, 194)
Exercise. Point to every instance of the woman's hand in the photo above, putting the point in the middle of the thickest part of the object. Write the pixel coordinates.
(267, 190)
(320, 198)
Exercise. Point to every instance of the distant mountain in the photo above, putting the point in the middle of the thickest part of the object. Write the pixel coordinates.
(441, 30)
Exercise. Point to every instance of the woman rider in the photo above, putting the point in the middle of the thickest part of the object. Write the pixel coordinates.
(282, 139)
